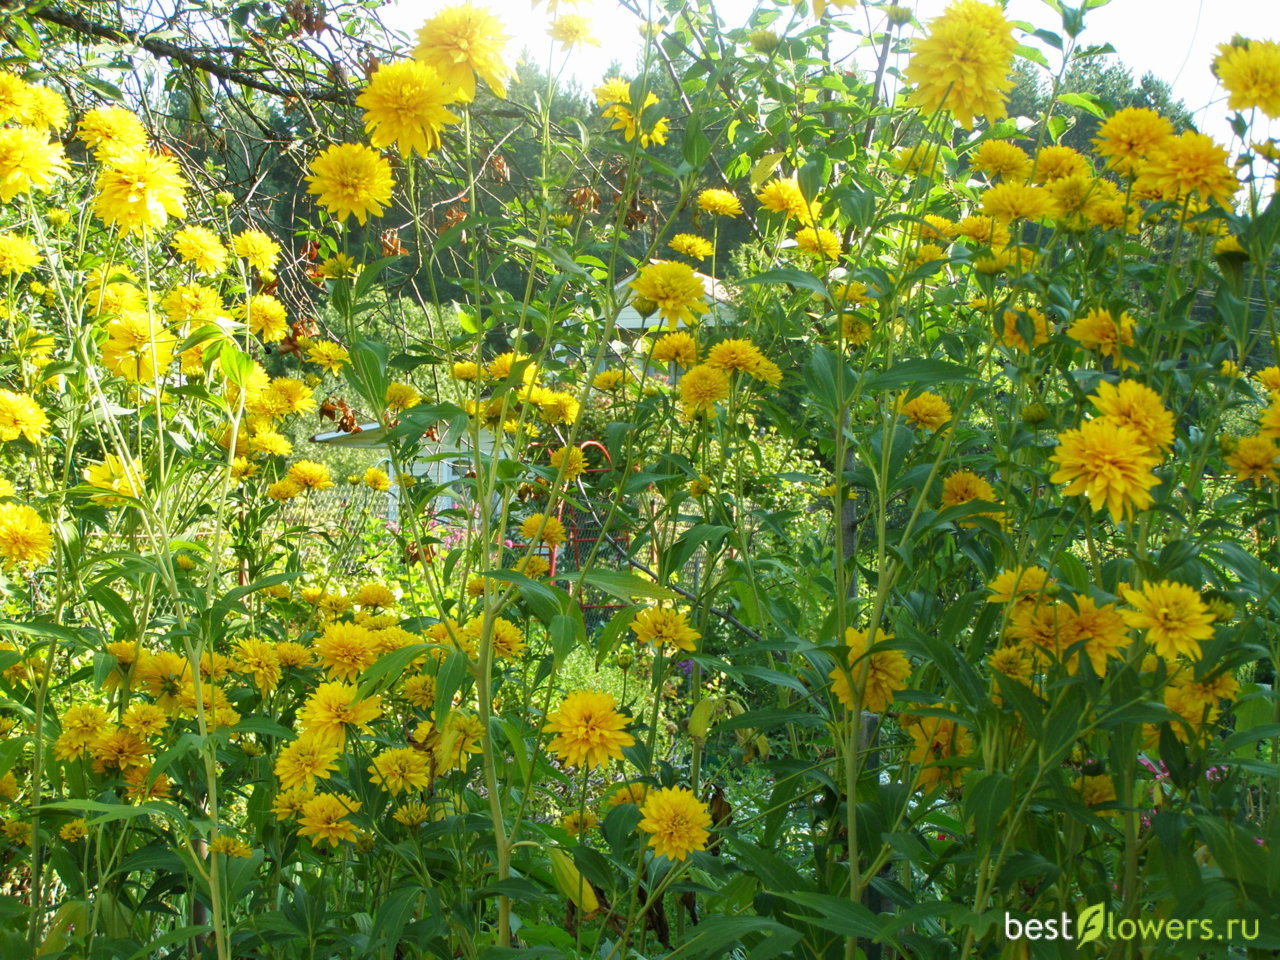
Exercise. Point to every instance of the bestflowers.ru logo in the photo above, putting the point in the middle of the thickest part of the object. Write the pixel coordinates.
(1096, 922)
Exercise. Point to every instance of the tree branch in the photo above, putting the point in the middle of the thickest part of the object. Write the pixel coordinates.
(196, 59)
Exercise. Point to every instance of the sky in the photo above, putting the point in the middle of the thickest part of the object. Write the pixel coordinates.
(1174, 39)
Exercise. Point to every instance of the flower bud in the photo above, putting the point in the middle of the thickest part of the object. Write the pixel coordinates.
(1034, 413)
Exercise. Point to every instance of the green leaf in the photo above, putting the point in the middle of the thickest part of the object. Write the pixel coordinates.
(624, 585)
(265, 726)
(835, 914)
(716, 934)
(566, 635)
(367, 373)
(107, 812)
(391, 664)
(921, 371)
(986, 798)
(768, 718)
(369, 275)
(1086, 102)
(180, 935)
(796, 278)
(448, 679)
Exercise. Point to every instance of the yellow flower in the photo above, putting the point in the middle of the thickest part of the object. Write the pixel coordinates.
(24, 536)
(921, 159)
(559, 407)
(74, 830)
(305, 760)
(465, 370)
(1129, 136)
(609, 379)
(665, 627)
(937, 228)
(543, 529)
(289, 803)
(1250, 71)
(28, 161)
(328, 355)
(1010, 336)
(702, 388)
(265, 316)
(118, 749)
(230, 846)
(17, 255)
(460, 739)
(533, 566)
(1000, 158)
(414, 813)
(324, 817)
(1254, 460)
(1056, 162)
(258, 249)
(963, 63)
(1100, 331)
(1134, 405)
(1189, 165)
(689, 244)
(782, 195)
(1096, 790)
(570, 460)
(402, 396)
(146, 720)
(311, 475)
(139, 191)
(987, 231)
(618, 94)
(818, 242)
(192, 302)
(336, 707)
(463, 41)
(120, 476)
(878, 675)
(735, 355)
(579, 823)
(345, 649)
(572, 30)
(1108, 462)
(201, 248)
(20, 415)
(677, 822)
(109, 131)
(376, 479)
(926, 410)
(1228, 245)
(259, 659)
(138, 347)
(1018, 201)
(350, 179)
(404, 105)
(291, 396)
(1173, 615)
(508, 641)
(854, 330)
(1020, 583)
(935, 739)
(965, 485)
(401, 768)
(674, 288)
(589, 729)
(15, 97)
(678, 347)
(720, 203)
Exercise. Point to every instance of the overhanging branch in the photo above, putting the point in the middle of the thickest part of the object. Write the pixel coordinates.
(195, 59)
